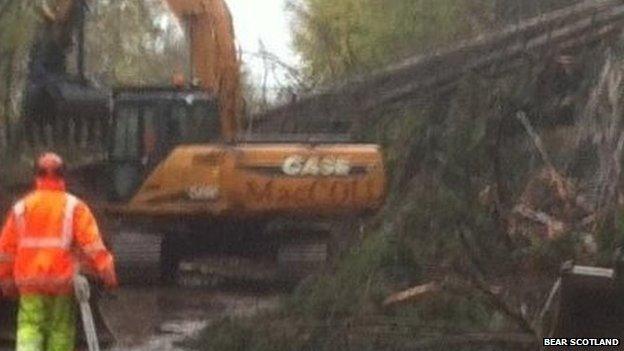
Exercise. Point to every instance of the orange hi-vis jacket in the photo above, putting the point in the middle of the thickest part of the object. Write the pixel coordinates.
(44, 236)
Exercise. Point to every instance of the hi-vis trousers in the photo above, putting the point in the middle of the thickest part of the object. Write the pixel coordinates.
(46, 323)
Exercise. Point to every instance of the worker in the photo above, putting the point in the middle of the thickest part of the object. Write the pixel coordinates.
(47, 236)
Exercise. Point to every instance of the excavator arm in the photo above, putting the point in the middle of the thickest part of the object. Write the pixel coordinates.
(213, 55)
(214, 62)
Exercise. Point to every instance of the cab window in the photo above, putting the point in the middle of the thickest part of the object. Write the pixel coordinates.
(194, 123)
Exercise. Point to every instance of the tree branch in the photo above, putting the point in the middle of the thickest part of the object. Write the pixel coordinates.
(537, 141)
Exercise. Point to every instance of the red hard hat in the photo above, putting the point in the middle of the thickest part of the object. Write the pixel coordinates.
(49, 164)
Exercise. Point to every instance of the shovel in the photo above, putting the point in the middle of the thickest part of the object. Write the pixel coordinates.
(83, 293)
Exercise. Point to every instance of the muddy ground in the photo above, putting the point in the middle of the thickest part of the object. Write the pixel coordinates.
(155, 318)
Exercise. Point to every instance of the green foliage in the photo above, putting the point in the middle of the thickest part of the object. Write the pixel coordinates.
(18, 23)
(338, 38)
(349, 37)
(360, 280)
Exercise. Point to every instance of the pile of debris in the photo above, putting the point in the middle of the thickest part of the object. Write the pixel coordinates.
(549, 207)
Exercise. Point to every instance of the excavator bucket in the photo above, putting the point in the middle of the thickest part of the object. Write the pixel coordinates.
(591, 303)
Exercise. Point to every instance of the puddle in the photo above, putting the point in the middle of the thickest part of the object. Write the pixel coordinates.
(145, 319)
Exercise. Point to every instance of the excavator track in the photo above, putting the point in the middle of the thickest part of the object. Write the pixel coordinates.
(298, 260)
(282, 252)
(279, 254)
(219, 270)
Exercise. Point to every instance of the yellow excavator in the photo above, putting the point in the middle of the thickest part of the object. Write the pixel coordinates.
(178, 185)
(177, 167)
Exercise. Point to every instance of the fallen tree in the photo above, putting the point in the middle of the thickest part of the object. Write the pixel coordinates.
(535, 39)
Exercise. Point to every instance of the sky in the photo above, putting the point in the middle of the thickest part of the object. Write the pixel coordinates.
(266, 21)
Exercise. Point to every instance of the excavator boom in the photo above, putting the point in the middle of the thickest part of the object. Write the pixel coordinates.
(214, 62)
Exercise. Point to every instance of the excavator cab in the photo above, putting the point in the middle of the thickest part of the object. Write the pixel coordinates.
(148, 123)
